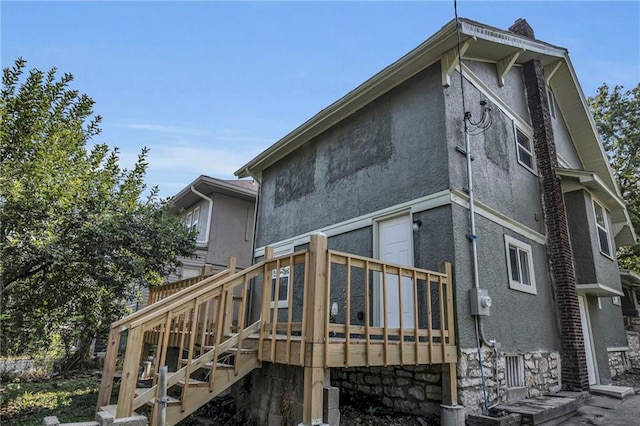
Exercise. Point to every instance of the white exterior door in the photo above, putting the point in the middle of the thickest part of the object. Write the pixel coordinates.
(395, 245)
(586, 331)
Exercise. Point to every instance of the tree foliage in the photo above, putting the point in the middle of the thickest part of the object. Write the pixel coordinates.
(617, 116)
(77, 235)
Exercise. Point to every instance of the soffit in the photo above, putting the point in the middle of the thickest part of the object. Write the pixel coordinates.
(207, 185)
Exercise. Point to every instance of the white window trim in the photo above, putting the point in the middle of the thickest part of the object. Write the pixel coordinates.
(279, 251)
(195, 218)
(515, 285)
(531, 151)
(605, 216)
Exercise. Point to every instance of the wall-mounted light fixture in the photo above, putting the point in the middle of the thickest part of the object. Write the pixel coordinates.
(417, 224)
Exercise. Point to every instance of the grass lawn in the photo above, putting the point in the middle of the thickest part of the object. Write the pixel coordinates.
(26, 402)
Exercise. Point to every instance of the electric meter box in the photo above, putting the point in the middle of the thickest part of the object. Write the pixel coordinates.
(480, 302)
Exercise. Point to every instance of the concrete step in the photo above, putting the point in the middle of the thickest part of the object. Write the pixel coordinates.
(619, 392)
(542, 410)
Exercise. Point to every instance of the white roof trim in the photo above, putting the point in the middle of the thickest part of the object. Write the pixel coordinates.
(598, 289)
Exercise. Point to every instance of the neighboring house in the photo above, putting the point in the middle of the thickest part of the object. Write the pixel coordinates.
(222, 212)
(383, 172)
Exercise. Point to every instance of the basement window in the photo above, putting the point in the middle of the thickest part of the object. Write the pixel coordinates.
(524, 150)
(520, 265)
(514, 371)
(602, 229)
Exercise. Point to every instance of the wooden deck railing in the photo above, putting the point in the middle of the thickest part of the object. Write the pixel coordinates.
(163, 291)
(387, 315)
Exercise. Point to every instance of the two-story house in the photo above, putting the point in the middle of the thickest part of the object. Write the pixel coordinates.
(222, 213)
(478, 148)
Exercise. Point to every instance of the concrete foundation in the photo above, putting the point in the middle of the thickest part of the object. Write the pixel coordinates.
(452, 415)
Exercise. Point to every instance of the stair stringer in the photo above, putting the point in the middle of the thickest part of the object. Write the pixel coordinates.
(223, 379)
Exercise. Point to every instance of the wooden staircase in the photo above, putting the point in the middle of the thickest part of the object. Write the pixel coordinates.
(201, 322)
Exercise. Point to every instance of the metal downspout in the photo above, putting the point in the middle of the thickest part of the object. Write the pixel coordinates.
(208, 230)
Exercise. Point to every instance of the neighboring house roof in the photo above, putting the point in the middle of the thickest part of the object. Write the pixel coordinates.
(478, 41)
(243, 189)
(629, 277)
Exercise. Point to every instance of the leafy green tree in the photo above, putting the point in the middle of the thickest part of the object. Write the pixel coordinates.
(78, 237)
(617, 116)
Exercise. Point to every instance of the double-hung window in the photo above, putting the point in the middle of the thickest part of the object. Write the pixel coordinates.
(524, 149)
(520, 265)
(602, 228)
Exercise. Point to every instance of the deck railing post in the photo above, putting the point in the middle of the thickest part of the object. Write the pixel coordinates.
(228, 309)
(449, 370)
(316, 322)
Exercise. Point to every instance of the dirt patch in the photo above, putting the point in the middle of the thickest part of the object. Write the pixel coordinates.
(369, 412)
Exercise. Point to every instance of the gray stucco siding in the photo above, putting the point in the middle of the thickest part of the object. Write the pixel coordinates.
(231, 231)
(390, 152)
(512, 93)
(520, 321)
(607, 332)
(591, 265)
(580, 237)
(500, 181)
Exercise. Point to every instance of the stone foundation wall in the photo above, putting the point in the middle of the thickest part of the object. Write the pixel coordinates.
(633, 339)
(618, 362)
(541, 376)
(408, 389)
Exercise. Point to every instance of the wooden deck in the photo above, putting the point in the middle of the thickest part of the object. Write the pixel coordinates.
(209, 320)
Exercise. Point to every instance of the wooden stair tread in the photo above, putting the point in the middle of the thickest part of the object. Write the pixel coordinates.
(193, 383)
(234, 350)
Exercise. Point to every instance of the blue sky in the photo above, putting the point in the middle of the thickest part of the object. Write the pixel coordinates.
(208, 85)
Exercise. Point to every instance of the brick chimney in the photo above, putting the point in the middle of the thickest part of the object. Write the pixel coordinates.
(522, 27)
(560, 257)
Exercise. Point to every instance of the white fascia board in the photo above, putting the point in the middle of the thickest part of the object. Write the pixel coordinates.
(592, 181)
(509, 39)
(597, 289)
(462, 199)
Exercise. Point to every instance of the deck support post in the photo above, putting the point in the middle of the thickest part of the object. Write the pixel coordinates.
(316, 323)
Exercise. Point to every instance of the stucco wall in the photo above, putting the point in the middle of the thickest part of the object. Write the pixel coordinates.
(521, 322)
(607, 328)
(499, 180)
(231, 231)
(580, 236)
(512, 93)
(591, 265)
(391, 151)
